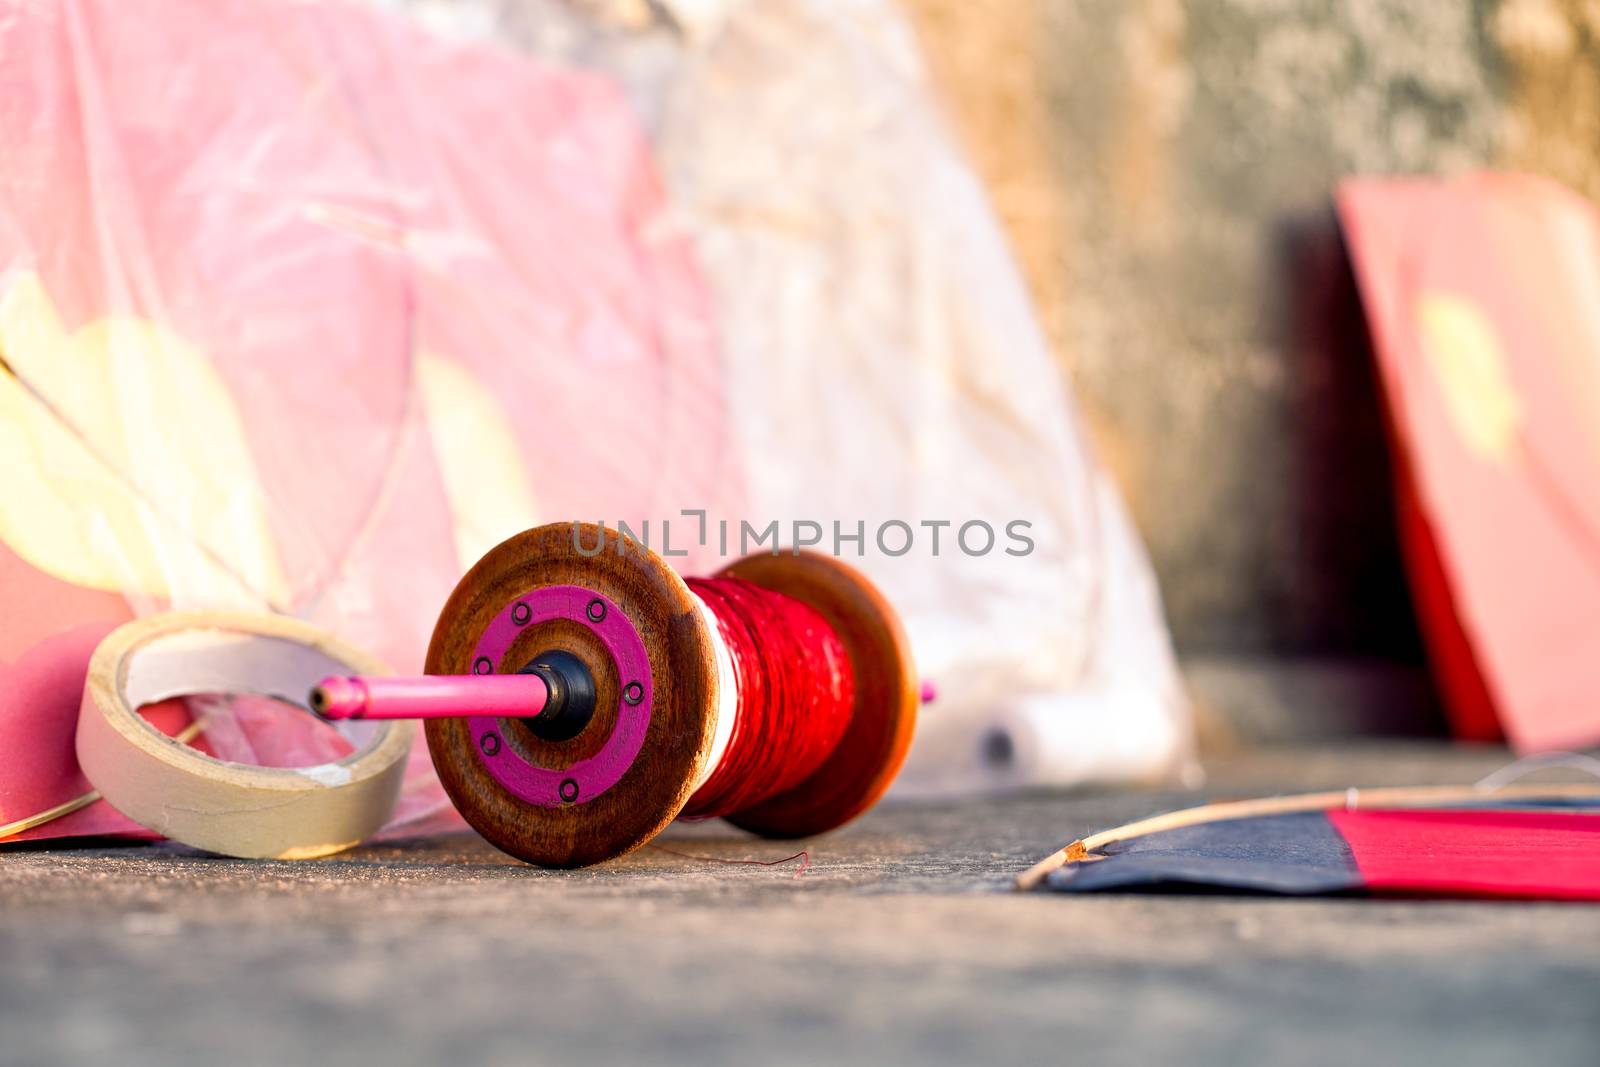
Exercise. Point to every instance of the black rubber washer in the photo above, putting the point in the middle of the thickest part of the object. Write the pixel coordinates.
(572, 698)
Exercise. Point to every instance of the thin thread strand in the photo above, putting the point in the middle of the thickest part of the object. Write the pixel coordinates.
(804, 856)
(78, 803)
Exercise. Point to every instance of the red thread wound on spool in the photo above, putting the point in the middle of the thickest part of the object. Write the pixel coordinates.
(796, 688)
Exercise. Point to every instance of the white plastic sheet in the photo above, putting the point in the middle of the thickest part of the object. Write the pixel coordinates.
(884, 365)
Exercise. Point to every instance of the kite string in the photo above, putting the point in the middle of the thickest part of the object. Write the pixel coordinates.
(30, 822)
(1518, 769)
(804, 856)
(794, 686)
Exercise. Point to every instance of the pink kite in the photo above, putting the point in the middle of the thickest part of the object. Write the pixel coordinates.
(301, 310)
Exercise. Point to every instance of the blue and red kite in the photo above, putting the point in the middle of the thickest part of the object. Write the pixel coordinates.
(1526, 842)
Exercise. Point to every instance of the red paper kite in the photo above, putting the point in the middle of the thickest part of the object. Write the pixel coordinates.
(1483, 297)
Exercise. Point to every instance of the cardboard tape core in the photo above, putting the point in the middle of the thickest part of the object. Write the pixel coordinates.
(232, 808)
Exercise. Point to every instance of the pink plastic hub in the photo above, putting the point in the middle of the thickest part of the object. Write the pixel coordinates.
(588, 778)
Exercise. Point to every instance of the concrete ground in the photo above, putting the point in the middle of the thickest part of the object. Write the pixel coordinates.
(900, 941)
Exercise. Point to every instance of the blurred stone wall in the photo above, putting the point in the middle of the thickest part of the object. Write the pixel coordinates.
(1165, 170)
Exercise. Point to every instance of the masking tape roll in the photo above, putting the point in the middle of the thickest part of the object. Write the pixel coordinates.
(232, 808)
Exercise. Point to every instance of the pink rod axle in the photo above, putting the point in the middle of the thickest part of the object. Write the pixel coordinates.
(430, 697)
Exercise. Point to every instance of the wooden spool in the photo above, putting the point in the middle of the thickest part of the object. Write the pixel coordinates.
(682, 701)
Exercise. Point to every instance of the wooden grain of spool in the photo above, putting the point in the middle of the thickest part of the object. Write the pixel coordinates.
(543, 567)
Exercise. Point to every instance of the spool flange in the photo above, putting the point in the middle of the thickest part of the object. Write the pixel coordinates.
(654, 785)
(874, 745)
